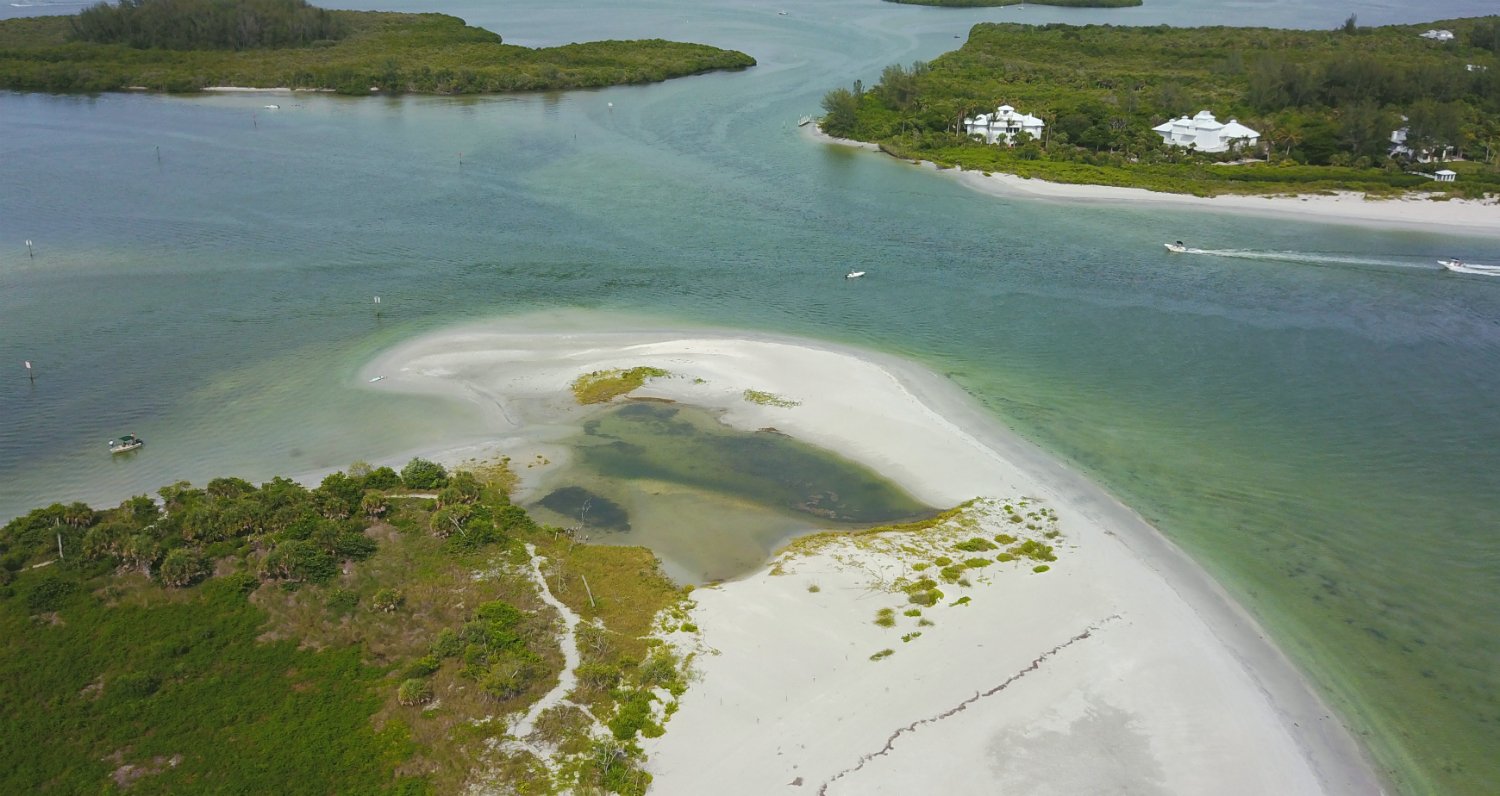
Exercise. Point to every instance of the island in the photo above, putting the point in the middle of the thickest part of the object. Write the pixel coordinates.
(1387, 111)
(190, 45)
(418, 631)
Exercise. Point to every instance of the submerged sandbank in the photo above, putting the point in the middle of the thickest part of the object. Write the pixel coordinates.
(1464, 216)
(1124, 668)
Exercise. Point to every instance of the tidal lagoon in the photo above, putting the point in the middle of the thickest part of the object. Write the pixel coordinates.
(1313, 412)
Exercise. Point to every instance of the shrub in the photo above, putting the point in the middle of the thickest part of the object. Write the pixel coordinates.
(447, 644)
(930, 597)
(425, 666)
(387, 600)
(909, 636)
(182, 567)
(1040, 568)
(423, 474)
(599, 676)
(912, 612)
(976, 563)
(414, 691)
(1005, 538)
(886, 617)
(882, 655)
(975, 545)
(814, 588)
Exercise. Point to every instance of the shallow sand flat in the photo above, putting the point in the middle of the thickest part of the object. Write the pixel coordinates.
(1124, 669)
(1465, 216)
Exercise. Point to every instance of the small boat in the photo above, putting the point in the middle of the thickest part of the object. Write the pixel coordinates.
(375, 379)
(129, 442)
(273, 107)
(1460, 267)
(780, 13)
(804, 121)
(1176, 248)
(854, 274)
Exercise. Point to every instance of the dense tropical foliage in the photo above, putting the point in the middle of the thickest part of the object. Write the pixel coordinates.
(347, 638)
(187, 45)
(1325, 103)
(207, 24)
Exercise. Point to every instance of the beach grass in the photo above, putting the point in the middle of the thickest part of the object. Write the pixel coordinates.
(602, 386)
(769, 399)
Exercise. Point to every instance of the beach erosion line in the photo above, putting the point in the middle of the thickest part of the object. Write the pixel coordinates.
(1185, 656)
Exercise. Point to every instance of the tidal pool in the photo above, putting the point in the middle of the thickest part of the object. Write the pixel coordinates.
(713, 502)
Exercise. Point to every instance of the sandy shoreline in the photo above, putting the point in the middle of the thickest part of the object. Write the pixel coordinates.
(1124, 669)
(1458, 216)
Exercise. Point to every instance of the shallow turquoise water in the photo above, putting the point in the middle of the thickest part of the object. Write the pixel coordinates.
(1319, 423)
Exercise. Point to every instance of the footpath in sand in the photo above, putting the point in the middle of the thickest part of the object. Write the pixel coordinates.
(1120, 669)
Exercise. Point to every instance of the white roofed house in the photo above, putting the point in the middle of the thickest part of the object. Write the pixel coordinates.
(1004, 124)
(1204, 133)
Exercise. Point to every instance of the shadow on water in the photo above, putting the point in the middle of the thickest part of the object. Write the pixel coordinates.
(592, 511)
(712, 502)
(689, 446)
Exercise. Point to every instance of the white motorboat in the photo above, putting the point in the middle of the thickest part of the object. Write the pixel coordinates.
(854, 274)
(1176, 248)
(129, 442)
(1461, 267)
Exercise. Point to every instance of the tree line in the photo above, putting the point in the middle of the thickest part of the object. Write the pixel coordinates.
(207, 24)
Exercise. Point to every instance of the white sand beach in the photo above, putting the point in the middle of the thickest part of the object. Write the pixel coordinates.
(1123, 669)
(1416, 212)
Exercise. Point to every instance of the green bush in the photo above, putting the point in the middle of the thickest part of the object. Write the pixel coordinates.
(423, 474)
(414, 691)
(975, 545)
(183, 567)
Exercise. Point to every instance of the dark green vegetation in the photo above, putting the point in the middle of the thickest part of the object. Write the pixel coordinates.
(186, 45)
(207, 24)
(648, 440)
(988, 3)
(279, 639)
(1325, 103)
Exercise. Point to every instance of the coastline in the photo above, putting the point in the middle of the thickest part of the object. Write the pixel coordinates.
(1460, 216)
(1174, 686)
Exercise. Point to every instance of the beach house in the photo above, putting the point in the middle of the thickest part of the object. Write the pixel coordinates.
(1204, 133)
(1004, 124)
(1401, 147)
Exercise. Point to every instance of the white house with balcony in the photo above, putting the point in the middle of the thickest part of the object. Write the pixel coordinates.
(1204, 133)
(1005, 124)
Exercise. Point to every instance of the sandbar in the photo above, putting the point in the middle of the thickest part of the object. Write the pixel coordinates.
(1123, 669)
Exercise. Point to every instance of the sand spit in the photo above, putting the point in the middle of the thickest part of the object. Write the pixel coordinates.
(1416, 212)
(1123, 668)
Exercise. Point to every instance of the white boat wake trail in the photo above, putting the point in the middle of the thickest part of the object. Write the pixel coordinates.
(1317, 258)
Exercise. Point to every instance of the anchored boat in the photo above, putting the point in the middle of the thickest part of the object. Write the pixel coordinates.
(129, 442)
